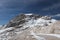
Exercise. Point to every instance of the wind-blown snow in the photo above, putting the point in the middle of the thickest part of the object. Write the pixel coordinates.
(39, 22)
(56, 35)
(29, 14)
(37, 37)
(1, 31)
(31, 22)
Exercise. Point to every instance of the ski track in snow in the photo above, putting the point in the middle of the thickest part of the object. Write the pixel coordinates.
(37, 37)
(56, 35)
(42, 38)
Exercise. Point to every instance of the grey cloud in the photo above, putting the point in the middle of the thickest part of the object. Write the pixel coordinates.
(54, 6)
(10, 8)
(21, 3)
(15, 3)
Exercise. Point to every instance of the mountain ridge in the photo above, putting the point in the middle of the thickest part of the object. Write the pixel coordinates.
(31, 27)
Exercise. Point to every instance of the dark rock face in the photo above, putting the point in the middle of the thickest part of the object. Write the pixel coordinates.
(20, 19)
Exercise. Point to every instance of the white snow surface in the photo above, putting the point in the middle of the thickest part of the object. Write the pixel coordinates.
(34, 23)
(29, 14)
(42, 38)
(37, 37)
(1, 31)
(56, 35)
(39, 22)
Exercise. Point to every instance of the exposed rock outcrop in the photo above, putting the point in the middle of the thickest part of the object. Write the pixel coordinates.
(22, 18)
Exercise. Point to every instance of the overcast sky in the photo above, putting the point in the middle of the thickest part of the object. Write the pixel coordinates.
(10, 8)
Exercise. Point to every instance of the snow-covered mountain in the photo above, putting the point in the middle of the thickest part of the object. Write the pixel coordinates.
(31, 27)
(30, 20)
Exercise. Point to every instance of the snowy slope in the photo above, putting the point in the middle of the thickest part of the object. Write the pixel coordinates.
(30, 26)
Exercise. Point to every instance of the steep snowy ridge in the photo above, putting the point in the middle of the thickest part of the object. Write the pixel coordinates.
(7, 29)
(25, 25)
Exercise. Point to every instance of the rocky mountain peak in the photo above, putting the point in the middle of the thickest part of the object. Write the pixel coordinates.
(31, 27)
(22, 18)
